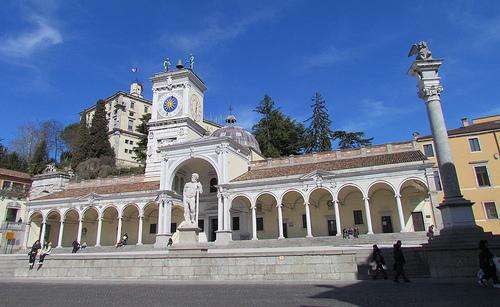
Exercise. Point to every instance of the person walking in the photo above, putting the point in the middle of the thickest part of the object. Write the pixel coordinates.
(399, 262)
(76, 246)
(487, 265)
(378, 263)
(430, 232)
(46, 250)
(33, 252)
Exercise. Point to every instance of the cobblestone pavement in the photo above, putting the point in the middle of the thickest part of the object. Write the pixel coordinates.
(420, 292)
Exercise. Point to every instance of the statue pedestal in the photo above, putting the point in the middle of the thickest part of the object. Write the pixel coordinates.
(162, 240)
(223, 237)
(188, 241)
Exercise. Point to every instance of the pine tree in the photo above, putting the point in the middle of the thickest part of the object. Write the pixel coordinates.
(319, 134)
(140, 149)
(40, 158)
(277, 134)
(98, 133)
(83, 144)
(351, 139)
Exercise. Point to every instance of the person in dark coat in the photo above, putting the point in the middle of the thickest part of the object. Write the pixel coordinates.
(379, 261)
(76, 246)
(487, 265)
(399, 262)
(33, 252)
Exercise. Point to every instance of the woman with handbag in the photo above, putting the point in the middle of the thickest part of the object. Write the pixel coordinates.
(33, 252)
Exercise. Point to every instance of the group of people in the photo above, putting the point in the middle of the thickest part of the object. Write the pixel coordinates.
(351, 232)
(77, 246)
(378, 266)
(38, 251)
(123, 241)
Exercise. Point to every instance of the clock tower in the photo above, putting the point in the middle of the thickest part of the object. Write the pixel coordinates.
(177, 111)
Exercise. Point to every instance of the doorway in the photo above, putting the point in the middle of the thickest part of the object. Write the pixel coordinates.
(213, 228)
(285, 230)
(387, 224)
(332, 227)
(418, 221)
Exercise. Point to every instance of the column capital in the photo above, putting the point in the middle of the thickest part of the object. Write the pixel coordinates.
(279, 205)
(397, 195)
(427, 91)
(366, 198)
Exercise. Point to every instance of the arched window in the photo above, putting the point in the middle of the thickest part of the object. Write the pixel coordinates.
(213, 183)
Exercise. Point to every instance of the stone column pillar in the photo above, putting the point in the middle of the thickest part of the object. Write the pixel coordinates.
(139, 231)
(337, 217)
(220, 212)
(99, 230)
(368, 215)
(227, 213)
(456, 210)
(61, 229)
(119, 230)
(167, 218)
(159, 226)
(308, 221)
(42, 233)
(400, 213)
(280, 221)
(254, 222)
(79, 235)
(27, 234)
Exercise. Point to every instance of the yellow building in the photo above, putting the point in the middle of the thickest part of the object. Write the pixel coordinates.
(476, 153)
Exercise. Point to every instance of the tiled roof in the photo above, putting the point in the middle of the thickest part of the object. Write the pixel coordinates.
(16, 174)
(486, 126)
(102, 190)
(332, 165)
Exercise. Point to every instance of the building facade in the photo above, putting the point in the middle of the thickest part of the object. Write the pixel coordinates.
(13, 215)
(379, 189)
(476, 153)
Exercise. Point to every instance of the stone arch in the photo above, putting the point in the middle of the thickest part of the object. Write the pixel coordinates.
(350, 197)
(70, 228)
(35, 219)
(241, 217)
(293, 210)
(110, 215)
(52, 226)
(130, 222)
(323, 221)
(383, 207)
(347, 185)
(244, 195)
(319, 188)
(267, 212)
(90, 220)
(406, 180)
(381, 183)
(149, 222)
(32, 213)
(179, 163)
(418, 212)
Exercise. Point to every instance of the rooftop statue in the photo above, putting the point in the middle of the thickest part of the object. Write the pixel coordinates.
(421, 50)
(166, 64)
(191, 61)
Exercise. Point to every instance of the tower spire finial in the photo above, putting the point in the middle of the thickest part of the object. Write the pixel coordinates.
(230, 119)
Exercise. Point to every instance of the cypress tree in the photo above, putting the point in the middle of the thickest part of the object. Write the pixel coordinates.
(98, 133)
(319, 134)
(83, 144)
(141, 148)
(40, 158)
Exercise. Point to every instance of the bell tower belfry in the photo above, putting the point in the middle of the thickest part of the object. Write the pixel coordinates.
(177, 110)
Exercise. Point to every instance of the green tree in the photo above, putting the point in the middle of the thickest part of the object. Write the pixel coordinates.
(69, 136)
(12, 160)
(40, 158)
(98, 133)
(351, 139)
(82, 144)
(277, 134)
(140, 149)
(318, 134)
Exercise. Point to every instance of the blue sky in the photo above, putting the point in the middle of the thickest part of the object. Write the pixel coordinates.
(57, 57)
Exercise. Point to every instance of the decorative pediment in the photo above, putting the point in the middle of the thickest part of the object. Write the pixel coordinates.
(318, 178)
(90, 198)
(318, 174)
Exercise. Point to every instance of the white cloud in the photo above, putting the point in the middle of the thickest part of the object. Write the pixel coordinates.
(26, 43)
(327, 57)
(216, 32)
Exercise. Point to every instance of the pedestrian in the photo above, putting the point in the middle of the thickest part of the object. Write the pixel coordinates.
(125, 239)
(486, 265)
(430, 232)
(46, 250)
(350, 232)
(76, 246)
(83, 246)
(170, 242)
(399, 262)
(356, 232)
(344, 233)
(33, 252)
(378, 262)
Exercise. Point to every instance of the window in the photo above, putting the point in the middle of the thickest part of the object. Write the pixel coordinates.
(146, 109)
(173, 227)
(304, 221)
(152, 228)
(130, 113)
(260, 224)
(130, 125)
(491, 210)
(474, 144)
(126, 150)
(6, 184)
(213, 183)
(236, 223)
(131, 142)
(131, 104)
(437, 181)
(483, 180)
(428, 150)
(358, 217)
(11, 215)
(126, 141)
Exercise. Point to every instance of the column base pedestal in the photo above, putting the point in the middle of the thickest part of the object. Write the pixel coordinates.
(162, 240)
(223, 237)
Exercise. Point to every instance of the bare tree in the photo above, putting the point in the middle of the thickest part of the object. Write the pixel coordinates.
(28, 136)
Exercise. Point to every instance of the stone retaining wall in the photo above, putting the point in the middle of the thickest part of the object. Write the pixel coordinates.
(335, 265)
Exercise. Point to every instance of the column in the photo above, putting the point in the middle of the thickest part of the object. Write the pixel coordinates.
(280, 222)
(159, 227)
(308, 221)
(79, 235)
(368, 215)
(220, 212)
(254, 223)
(139, 231)
(119, 230)
(167, 217)
(42, 233)
(337, 217)
(227, 213)
(400, 213)
(61, 229)
(27, 234)
(99, 230)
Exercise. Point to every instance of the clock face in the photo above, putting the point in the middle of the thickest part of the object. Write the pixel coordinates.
(170, 104)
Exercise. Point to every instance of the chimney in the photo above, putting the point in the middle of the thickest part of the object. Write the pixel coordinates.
(415, 135)
(465, 122)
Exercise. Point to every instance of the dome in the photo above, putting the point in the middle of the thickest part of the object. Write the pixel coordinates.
(237, 134)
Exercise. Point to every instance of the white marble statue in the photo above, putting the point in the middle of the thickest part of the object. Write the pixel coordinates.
(191, 200)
